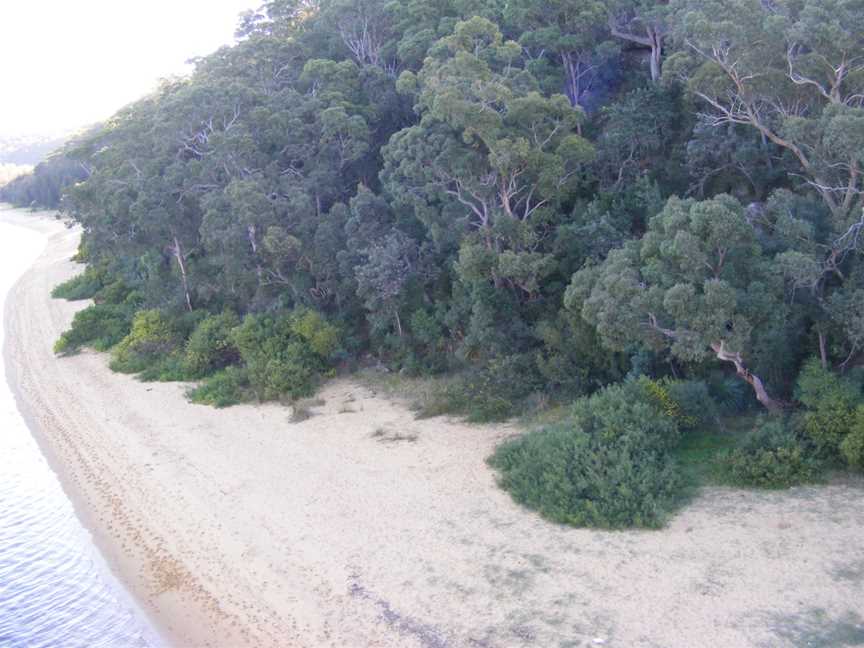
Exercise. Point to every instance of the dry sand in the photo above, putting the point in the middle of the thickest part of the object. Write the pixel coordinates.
(241, 528)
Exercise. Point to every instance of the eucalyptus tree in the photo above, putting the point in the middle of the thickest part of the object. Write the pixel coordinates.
(697, 284)
(793, 72)
(644, 23)
(573, 33)
(491, 152)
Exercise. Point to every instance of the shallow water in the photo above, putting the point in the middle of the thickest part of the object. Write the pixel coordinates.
(55, 589)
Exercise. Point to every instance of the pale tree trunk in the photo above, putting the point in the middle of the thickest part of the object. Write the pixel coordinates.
(656, 54)
(181, 261)
(753, 380)
(823, 350)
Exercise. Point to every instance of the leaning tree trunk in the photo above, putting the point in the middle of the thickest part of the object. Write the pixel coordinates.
(753, 380)
(181, 261)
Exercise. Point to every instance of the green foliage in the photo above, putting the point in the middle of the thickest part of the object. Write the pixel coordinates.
(152, 337)
(697, 406)
(495, 392)
(100, 326)
(608, 465)
(83, 286)
(285, 355)
(211, 345)
(771, 456)
(227, 387)
(852, 447)
(831, 419)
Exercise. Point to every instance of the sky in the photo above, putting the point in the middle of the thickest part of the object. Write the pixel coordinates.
(65, 64)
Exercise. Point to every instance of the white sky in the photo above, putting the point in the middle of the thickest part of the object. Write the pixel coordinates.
(68, 63)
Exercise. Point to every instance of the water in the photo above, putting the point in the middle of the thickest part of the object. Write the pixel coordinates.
(55, 590)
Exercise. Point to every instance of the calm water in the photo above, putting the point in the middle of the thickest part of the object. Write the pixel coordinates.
(54, 587)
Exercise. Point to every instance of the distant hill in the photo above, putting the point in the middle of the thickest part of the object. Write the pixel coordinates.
(28, 150)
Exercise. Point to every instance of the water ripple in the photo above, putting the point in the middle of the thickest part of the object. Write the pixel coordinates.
(54, 587)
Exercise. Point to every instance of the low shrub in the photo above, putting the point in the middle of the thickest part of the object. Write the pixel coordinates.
(152, 338)
(493, 392)
(99, 326)
(852, 446)
(211, 346)
(285, 355)
(168, 368)
(697, 407)
(607, 465)
(830, 403)
(83, 286)
(223, 389)
(771, 456)
(117, 292)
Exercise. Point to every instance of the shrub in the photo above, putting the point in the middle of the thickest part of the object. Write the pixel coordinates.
(83, 286)
(211, 346)
(771, 456)
(168, 368)
(152, 338)
(223, 389)
(117, 292)
(852, 447)
(493, 392)
(831, 407)
(608, 465)
(100, 326)
(285, 355)
(697, 407)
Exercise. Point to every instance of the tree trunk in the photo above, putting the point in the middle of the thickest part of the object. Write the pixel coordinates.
(398, 323)
(181, 261)
(656, 54)
(754, 381)
(823, 351)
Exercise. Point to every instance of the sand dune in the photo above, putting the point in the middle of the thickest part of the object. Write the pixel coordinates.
(241, 528)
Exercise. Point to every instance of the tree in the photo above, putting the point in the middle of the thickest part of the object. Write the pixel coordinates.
(644, 23)
(696, 284)
(571, 31)
(795, 73)
(490, 150)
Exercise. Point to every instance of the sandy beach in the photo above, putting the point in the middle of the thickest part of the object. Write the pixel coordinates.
(362, 526)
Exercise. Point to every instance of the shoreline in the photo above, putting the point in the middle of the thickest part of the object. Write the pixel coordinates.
(51, 228)
(48, 226)
(237, 527)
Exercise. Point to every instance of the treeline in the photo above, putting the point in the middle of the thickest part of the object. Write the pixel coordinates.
(43, 186)
(541, 198)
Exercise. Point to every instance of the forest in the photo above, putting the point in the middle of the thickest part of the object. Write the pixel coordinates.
(640, 222)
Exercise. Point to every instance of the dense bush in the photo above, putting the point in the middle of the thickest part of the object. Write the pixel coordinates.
(852, 447)
(151, 340)
(608, 465)
(223, 389)
(100, 326)
(211, 346)
(831, 419)
(82, 286)
(495, 391)
(285, 355)
(771, 456)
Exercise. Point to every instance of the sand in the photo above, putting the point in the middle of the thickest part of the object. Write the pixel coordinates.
(362, 526)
